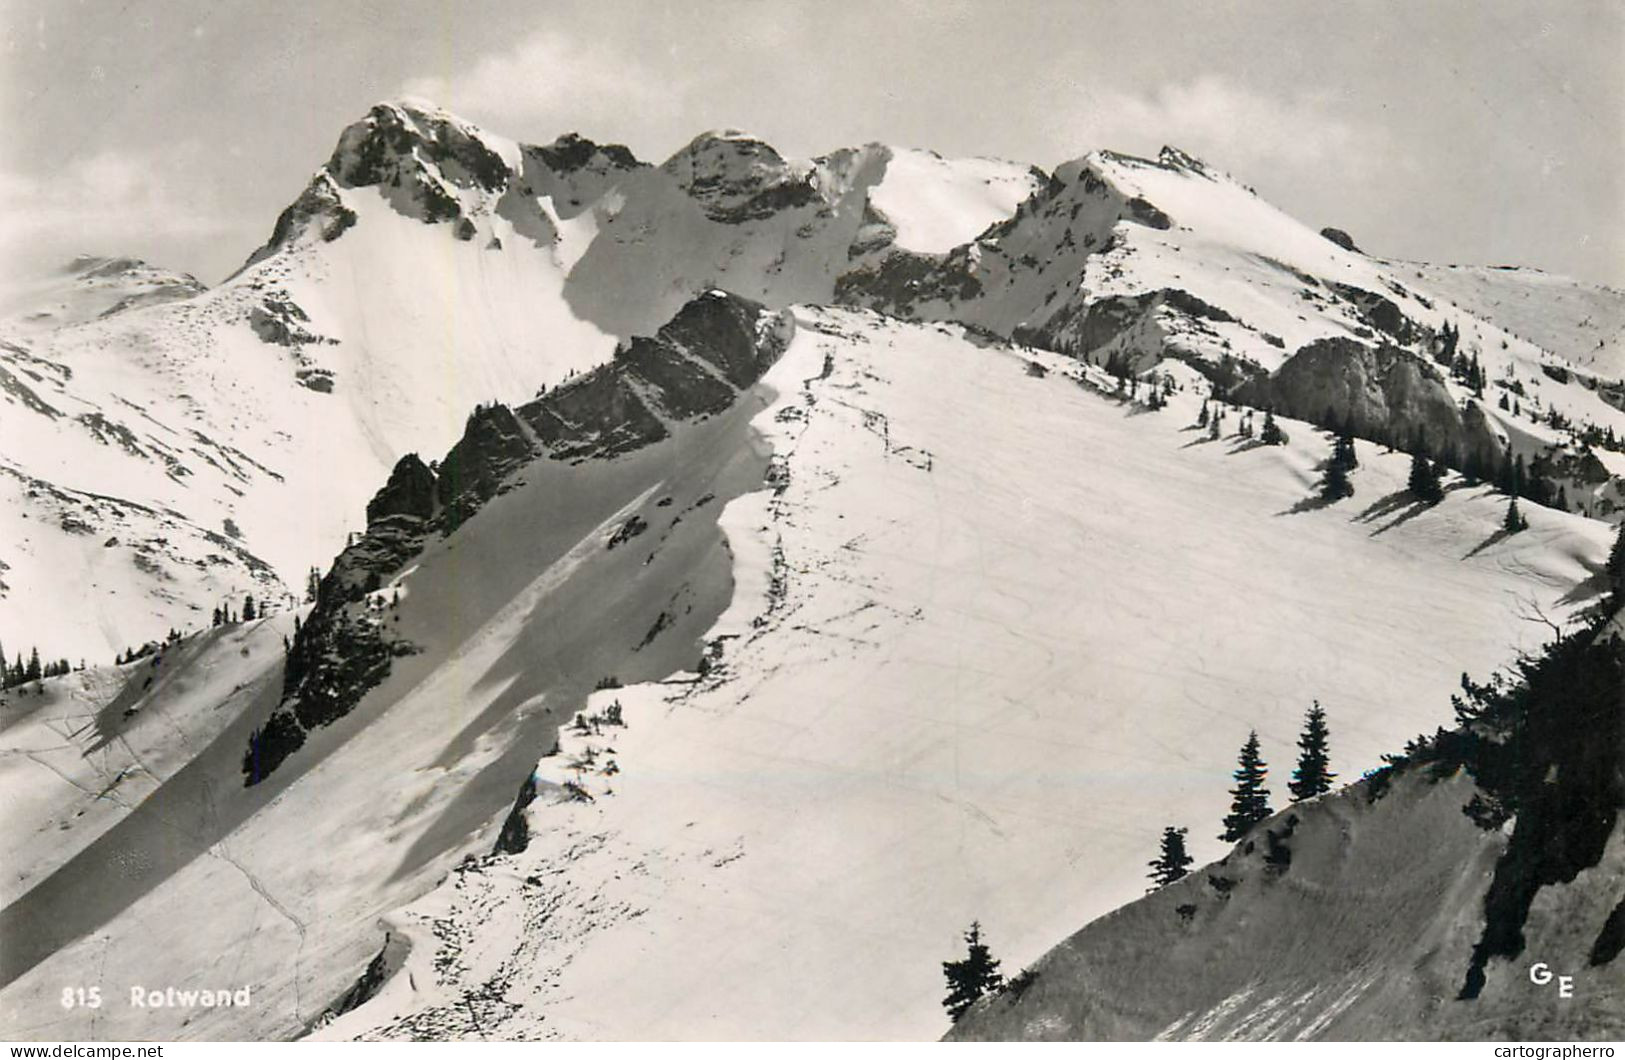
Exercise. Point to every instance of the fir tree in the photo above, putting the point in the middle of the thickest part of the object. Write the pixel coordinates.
(1514, 521)
(33, 672)
(1272, 433)
(1201, 418)
(1250, 799)
(1173, 862)
(248, 608)
(1313, 775)
(1424, 480)
(1343, 451)
(972, 977)
(1334, 481)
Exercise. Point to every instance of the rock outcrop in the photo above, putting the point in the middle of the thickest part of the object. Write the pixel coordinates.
(1383, 393)
(716, 348)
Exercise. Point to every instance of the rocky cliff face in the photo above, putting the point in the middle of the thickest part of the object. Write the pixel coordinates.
(698, 364)
(736, 177)
(1383, 393)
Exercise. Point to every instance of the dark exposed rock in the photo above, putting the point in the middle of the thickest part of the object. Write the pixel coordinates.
(1341, 238)
(384, 148)
(317, 207)
(345, 649)
(902, 280)
(410, 491)
(597, 414)
(736, 178)
(571, 152)
(493, 444)
(279, 320)
(1142, 211)
(1381, 313)
(515, 834)
(1383, 393)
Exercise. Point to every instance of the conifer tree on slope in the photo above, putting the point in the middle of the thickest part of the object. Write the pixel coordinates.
(1173, 862)
(1313, 775)
(1344, 452)
(1250, 799)
(1514, 520)
(1272, 433)
(972, 977)
(1334, 481)
(1424, 480)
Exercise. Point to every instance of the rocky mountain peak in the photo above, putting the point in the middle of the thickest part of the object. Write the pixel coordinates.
(399, 141)
(573, 152)
(736, 177)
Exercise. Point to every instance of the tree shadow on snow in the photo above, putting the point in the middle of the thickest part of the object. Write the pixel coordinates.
(1308, 504)
(1597, 585)
(1404, 502)
(1494, 539)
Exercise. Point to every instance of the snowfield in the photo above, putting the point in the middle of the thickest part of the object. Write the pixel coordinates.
(905, 730)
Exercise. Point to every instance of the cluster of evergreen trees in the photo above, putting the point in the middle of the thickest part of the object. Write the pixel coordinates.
(977, 973)
(22, 672)
(225, 616)
(151, 647)
(1448, 353)
(1250, 798)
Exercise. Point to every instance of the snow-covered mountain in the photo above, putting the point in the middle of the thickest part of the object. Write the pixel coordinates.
(167, 448)
(770, 567)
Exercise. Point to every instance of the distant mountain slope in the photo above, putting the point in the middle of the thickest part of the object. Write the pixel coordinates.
(1582, 323)
(89, 287)
(1127, 262)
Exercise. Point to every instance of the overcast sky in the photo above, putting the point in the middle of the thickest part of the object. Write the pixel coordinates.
(1472, 131)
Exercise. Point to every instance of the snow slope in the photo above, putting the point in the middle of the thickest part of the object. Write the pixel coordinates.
(904, 728)
(90, 287)
(1582, 323)
(1388, 896)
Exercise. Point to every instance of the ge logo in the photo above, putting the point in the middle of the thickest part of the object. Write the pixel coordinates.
(1541, 975)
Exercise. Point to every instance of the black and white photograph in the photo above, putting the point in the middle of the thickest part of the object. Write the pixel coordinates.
(805, 521)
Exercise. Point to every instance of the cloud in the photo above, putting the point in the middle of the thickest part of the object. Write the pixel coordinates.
(111, 202)
(549, 84)
(1225, 123)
